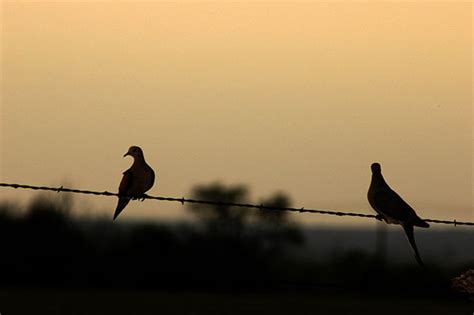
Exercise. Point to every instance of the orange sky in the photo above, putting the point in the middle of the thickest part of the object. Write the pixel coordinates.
(280, 96)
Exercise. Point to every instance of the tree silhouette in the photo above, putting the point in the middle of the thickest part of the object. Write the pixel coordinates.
(268, 230)
(221, 219)
(276, 227)
(278, 200)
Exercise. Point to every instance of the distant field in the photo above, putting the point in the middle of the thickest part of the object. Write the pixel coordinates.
(52, 302)
(445, 247)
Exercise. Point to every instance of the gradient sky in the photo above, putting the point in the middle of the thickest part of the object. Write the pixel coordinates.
(298, 97)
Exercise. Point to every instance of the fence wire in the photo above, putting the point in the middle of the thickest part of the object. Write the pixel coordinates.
(183, 200)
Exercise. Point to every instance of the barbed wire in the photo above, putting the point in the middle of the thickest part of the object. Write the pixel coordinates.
(221, 203)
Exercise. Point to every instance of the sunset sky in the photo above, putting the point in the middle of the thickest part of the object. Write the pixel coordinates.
(282, 96)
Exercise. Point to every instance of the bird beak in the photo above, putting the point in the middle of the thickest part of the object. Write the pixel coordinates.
(126, 154)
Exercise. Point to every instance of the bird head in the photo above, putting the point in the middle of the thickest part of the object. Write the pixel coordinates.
(135, 152)
(376, 167)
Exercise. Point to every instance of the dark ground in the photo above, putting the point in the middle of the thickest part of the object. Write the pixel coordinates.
(118, 302)
(53, 263)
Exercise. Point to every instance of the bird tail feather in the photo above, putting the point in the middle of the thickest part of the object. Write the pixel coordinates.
(122, 203)
(411, 238)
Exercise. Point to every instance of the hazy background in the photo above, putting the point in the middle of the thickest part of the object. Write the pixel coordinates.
(298, 97)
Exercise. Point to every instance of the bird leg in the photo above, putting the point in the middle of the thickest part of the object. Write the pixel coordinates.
(379, 217)
(140, 198)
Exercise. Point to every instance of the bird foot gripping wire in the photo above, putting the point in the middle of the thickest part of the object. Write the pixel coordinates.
(143, 197)
(379, 217)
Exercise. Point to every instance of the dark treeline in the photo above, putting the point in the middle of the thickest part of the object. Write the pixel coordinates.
(44, 245)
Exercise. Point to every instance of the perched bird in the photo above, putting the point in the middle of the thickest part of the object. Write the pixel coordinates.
(137, 180)
(392, 208)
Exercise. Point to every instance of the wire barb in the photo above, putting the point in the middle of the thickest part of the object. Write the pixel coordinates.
(182, 200)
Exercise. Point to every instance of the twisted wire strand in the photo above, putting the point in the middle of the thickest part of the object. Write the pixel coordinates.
(221, 203)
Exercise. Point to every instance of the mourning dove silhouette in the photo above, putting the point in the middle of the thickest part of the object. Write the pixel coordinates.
(137, 180)
(392, 208)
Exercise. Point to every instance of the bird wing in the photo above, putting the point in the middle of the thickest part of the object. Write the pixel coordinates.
(124, 192)
(126, 183)
(151, 179)
(389, 203)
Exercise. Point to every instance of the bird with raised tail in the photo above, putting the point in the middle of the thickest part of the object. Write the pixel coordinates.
(392, 208)
(137, 180)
